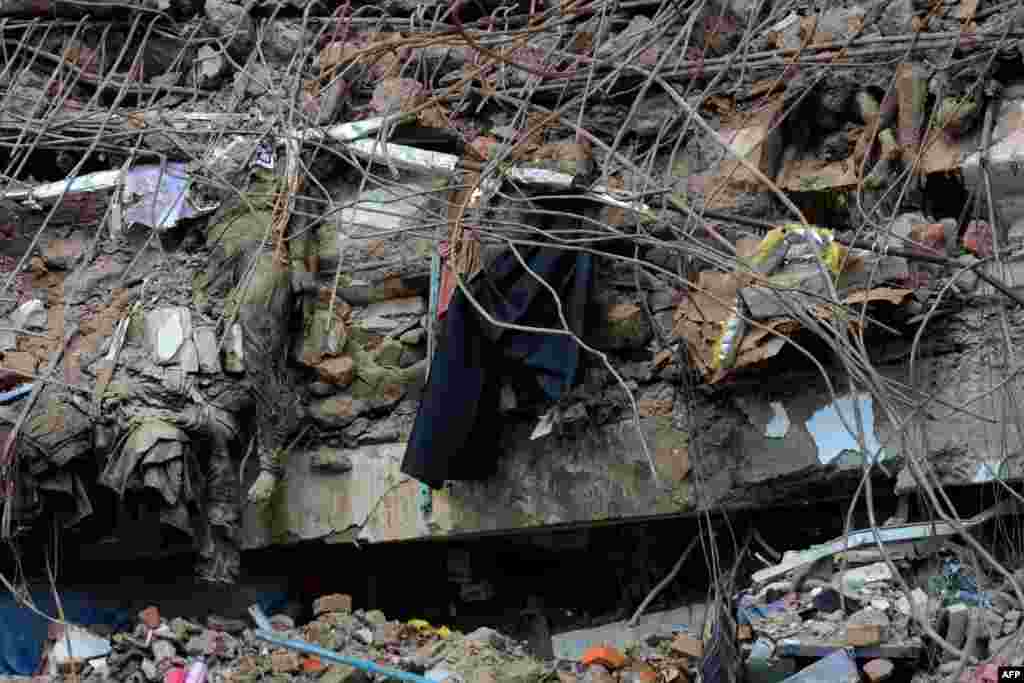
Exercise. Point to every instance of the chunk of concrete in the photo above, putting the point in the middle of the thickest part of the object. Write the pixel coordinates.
(958, 616)
(1005, 158)
(234, 351)
(210, 67)
(572, 644)
(206, 349)
(188, 357)
(920, 600)
(31, 315)
(878, 670)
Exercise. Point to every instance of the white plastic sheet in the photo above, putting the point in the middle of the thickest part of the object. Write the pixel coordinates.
(157, 197)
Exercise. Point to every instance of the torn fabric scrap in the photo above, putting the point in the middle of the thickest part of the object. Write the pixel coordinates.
(460, 405)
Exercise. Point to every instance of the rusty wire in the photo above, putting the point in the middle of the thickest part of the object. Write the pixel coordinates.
(534, 96)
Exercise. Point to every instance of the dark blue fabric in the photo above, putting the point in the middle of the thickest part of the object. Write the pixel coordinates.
(23, 632)
(457, 429)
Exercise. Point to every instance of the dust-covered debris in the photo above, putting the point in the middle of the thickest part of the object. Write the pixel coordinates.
(251, 246)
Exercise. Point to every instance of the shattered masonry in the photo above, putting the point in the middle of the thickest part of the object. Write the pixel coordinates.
(272, 271)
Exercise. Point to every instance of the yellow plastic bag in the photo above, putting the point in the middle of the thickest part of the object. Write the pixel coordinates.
(770, 252)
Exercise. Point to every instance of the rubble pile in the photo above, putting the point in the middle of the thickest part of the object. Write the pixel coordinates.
(229, 651)
(845, 613)
(853, 602)
(275, 271)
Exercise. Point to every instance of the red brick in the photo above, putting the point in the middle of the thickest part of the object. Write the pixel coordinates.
(337, 602)
(150, 617)
(312, 665)
(285, 661)
(685, 644)
(604, 655)
(863, 635)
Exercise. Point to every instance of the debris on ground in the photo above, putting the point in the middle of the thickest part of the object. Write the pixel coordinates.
(883, 614)
(252, 246)
(161, 649)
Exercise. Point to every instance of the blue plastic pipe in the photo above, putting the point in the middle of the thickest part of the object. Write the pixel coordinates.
(16, 392)
(303, 646)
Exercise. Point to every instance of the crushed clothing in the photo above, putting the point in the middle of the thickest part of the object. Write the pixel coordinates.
(453, 437)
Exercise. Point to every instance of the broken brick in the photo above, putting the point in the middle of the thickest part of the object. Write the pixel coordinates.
(150, 617)
(21, 362)
(863, 635)
(655, 407)
(978, 239)
(605, 656)
(337, 602)
(930, 235)
(878, 670)
(285, 661)
(688, 645)
(71, 665)
(312, 665)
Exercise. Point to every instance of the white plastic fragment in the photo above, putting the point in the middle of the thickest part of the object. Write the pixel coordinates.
(404, 156)
(83, 645)
(608, 197)
(544, 425)
(541, 177)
